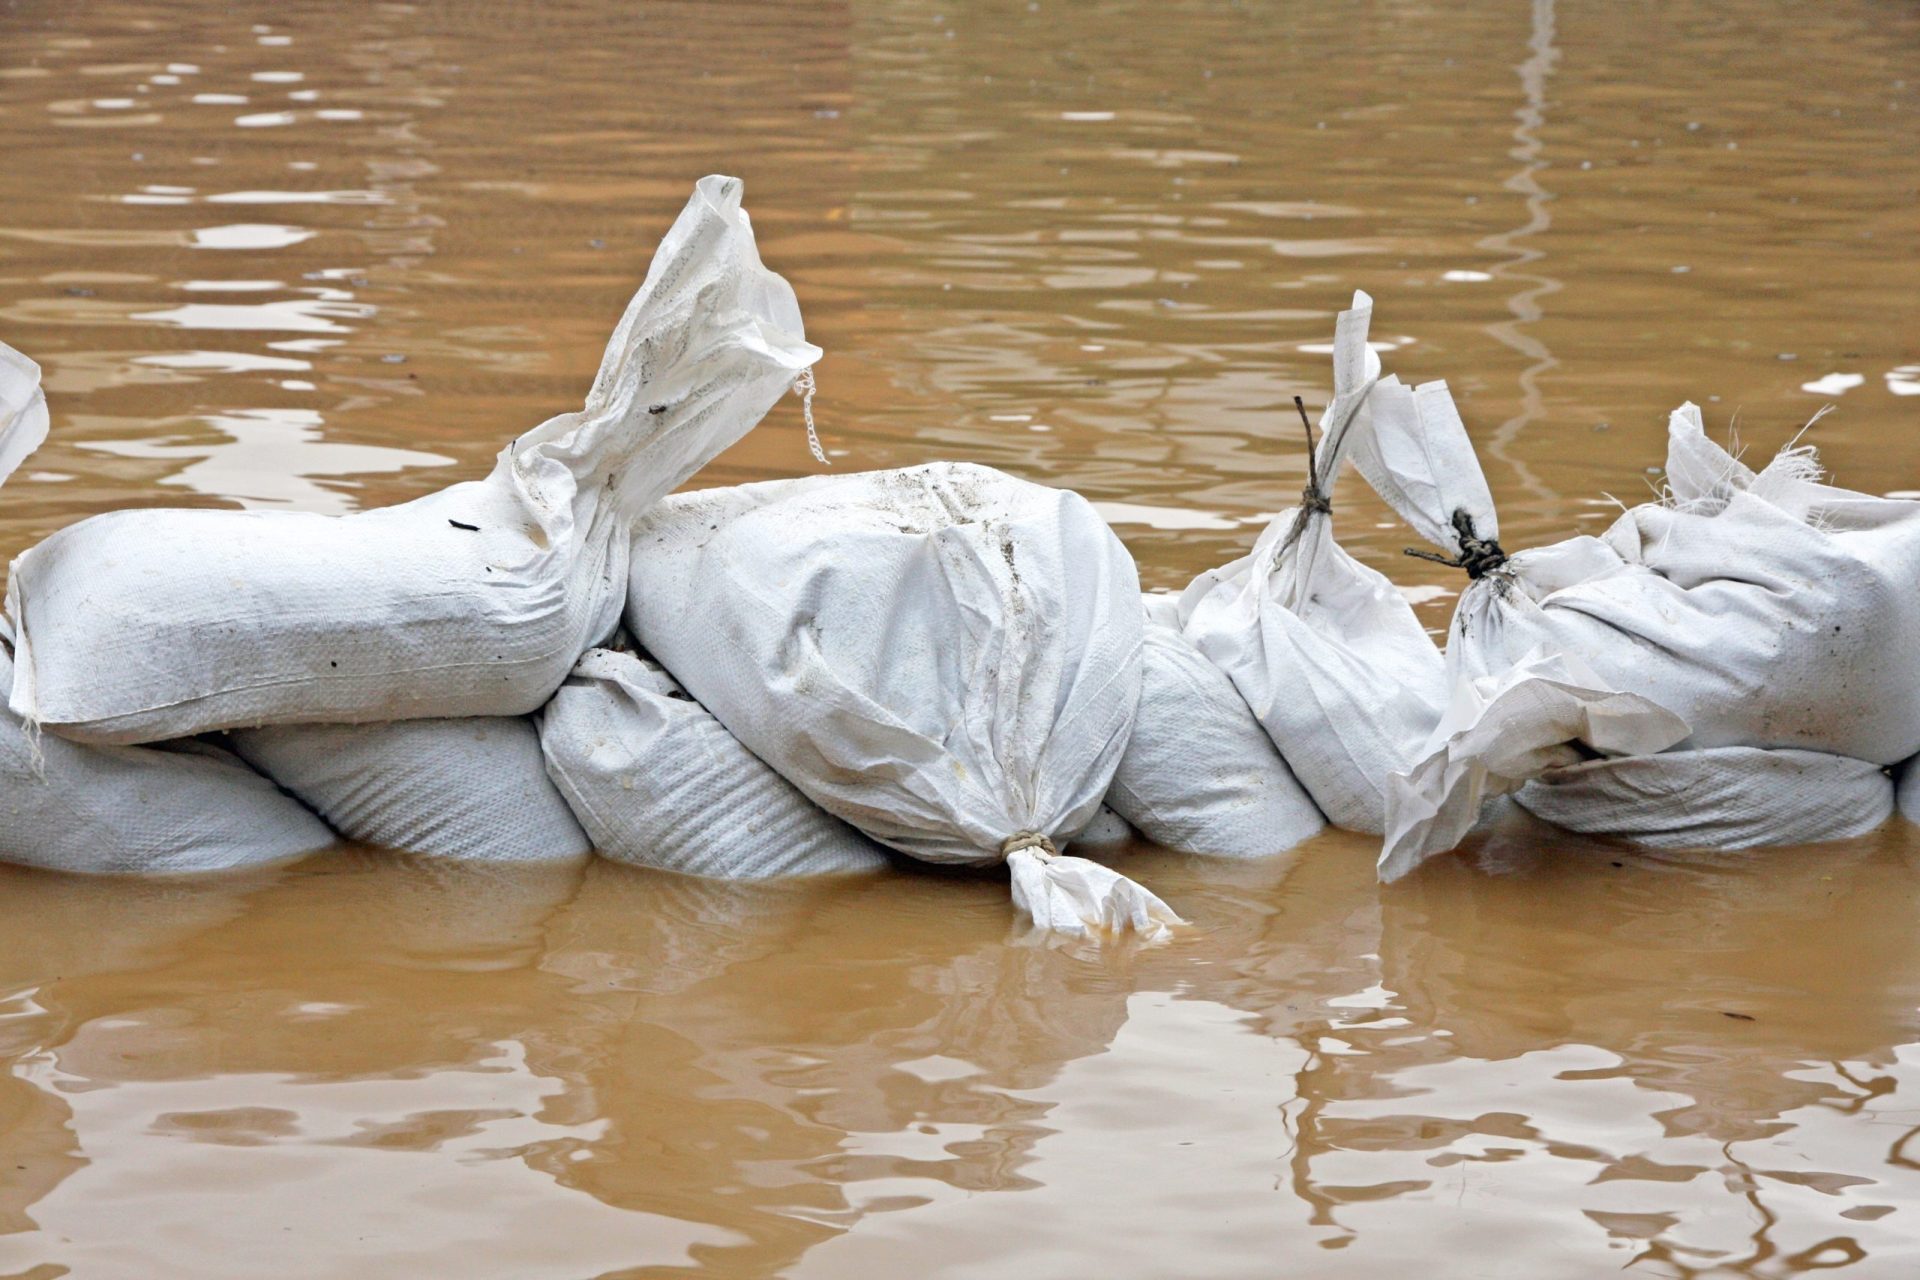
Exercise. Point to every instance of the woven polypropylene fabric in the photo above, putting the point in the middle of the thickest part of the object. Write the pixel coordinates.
(1718, 798)
(658, 782)
(1199, 773)
(473, 788)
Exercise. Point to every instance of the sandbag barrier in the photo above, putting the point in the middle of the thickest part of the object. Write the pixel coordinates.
(942, 662)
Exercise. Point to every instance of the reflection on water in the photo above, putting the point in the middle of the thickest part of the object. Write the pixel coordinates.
(329, 257)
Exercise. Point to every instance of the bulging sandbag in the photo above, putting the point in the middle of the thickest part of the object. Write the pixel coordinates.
(945, 657)
(1746, 609)
(1326, 651)
(161, 810)
(1199, 774)
(658, 782)
(473, 788)
(1715, 798)
(139, 625)
(1108, 831)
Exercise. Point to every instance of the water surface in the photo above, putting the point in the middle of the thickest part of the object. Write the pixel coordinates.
(327, 257)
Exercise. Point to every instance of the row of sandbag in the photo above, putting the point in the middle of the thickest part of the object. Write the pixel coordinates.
(945, 659)
(1734, 665)
(952, 661)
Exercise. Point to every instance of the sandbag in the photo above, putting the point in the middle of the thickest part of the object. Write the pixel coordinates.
(945, 657)
(1907, 793)
(1326, 651)
(1745, 609)
(1715, 798)
(658, 782)
(473, 788)
(139, 625)
(161, 810)
(1199, 774)
(1107, 832)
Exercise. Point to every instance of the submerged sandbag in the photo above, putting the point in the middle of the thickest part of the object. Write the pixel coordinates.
(178, 807)
(473, 788)
(1744, 609)
(658, 782)
(147, 624)
(1326, 651)
(1199, 774)
(946, 657)
(1715, 798)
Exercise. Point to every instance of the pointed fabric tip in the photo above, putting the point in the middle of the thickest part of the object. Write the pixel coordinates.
(23, 410)
(1073, 896)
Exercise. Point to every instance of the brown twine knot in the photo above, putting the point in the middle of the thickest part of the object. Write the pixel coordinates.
(1028, 840)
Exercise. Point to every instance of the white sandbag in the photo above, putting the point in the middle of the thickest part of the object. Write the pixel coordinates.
(477, 600)
(161, 810)
(1765, 610)
(1907, 793)
(473, 788)
(1326, 651)
(1717, 798)
(1199, 774)
(1107, 832)
(1760, 610)
(946, 657)
(23, 410)
(1500, 731)
(658, 782)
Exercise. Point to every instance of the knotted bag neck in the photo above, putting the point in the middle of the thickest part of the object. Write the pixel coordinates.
(1323, 464)
(1478, 556)
(1034, 840)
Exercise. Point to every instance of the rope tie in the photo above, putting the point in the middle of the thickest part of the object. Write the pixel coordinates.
(1478, 556)
(1313, 499)
(1028, 840)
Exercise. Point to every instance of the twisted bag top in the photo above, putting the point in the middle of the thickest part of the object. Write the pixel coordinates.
(138, 625)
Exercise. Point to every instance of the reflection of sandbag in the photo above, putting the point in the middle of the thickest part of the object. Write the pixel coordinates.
(1716, 798)
(1326, 651)
(473, 787)
(147, 624)
(945, 657)
(183, 806)
(658, 782)
(1199, 773)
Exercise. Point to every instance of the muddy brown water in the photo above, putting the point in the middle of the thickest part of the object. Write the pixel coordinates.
(331, 256)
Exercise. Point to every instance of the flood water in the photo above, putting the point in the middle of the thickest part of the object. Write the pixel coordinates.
(325, 257)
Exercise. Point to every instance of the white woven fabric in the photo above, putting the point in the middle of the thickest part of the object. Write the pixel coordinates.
(945, 657)
(1717, 798)
(1752, 610)
(1107, 831)
(1325, 651)
(23, 410)
(1199, 774)
(161, 810)
(473, 788)
(658, 782)
(477, 600)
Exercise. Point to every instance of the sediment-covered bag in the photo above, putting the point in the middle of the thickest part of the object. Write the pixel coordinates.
(160, 810)
(477, 600)
(1746, 609)
(1326, 651)
(1199, 774)
(1715, 798)
(473, 788)
(658, 782)
(945, 657)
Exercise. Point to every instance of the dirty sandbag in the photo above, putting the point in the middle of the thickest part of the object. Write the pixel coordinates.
(1765, 609)
(1199, 774)
(1715, 798)
(160, 810)
(1325, 651)
(1757, 609)
(473, 787)
(477, 600)
(658, 782)
(944, 656)
(1548, 711)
